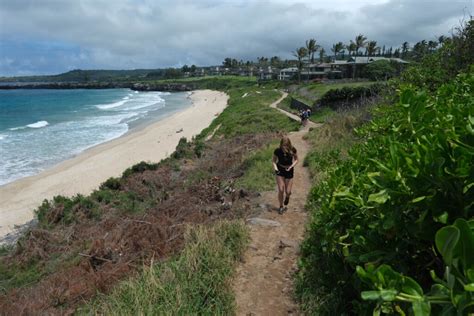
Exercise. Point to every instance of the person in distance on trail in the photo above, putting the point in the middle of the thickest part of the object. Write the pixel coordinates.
(284, 160)
(304, 116)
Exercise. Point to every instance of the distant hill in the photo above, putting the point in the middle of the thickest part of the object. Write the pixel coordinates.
(85, 76)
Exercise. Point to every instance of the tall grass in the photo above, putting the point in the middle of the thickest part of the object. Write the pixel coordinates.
(196, 282)
(258, 173)
(330, 142)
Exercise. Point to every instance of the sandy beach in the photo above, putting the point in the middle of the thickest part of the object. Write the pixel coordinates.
(85, 172)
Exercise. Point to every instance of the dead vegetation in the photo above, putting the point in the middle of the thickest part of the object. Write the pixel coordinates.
(84, 245)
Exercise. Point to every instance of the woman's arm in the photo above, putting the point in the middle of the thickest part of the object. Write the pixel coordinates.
(295, 161)
(274, 162)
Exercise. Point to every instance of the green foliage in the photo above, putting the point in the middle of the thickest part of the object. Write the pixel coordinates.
(183, 149)
(258, 170)
(248, 112)
(196, 282)
(443, 65)
(311, 92)
(412, 175)
(172, 73)
(380, 70)
(64, 210)
(325, 161)
(111, 183)
(140, 167)
(14, 276)
(452, 295)
(348, 95)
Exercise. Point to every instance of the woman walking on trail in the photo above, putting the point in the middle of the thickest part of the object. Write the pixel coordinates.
(284, 160)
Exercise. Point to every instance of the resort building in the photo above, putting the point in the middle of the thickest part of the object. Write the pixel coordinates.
(353, 67)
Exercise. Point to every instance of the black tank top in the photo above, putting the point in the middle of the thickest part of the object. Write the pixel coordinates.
(284, 159)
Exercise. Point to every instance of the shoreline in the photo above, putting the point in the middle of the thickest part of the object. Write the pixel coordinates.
(86, 171)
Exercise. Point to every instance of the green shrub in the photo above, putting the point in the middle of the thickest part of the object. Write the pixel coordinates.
(64, 210)
(112, 184)
(183, 149)
(140, 168)
(451, 295)
(411, 176)
(348, 96)
(380, 70)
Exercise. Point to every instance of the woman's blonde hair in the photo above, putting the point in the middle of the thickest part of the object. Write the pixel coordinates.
(286, 146)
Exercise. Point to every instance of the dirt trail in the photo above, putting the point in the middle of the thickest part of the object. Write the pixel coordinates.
(263, 284)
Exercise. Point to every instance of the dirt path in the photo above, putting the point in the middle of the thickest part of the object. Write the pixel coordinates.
(263, 283)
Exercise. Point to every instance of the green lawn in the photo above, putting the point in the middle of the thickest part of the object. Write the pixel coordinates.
(309, 93)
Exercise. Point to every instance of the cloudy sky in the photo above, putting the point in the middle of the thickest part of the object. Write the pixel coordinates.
(54, 36)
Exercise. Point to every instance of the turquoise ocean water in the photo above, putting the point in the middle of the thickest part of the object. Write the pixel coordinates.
(39, 128)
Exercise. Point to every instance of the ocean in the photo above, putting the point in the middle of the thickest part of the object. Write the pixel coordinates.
(42, 127)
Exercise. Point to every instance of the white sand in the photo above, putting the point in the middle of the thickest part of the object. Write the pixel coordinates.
(84, 173)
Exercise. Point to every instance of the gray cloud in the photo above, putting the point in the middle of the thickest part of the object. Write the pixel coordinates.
(149, 34)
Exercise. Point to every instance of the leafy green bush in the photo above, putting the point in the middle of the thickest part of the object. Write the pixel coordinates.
(64, 210)
(112, 184)
(440, 67)
(412, 175)
(345, 96)
(380, 70)
(183, 149)
(140, 167)
(454, 294)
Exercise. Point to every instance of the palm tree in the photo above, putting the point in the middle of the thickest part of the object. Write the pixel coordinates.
(312, 48)
(405, 48)
(371, 48)
(360, 41)
(322, 52)
(275, 61)
(336, 48)
(351, 48)
(442, 39)
(300, 53)
(432, 46)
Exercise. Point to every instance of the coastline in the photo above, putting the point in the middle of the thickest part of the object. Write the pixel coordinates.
(85, 172)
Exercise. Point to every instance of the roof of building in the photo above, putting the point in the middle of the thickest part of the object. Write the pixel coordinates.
(325, 65)
(367, 60)
(291, 69)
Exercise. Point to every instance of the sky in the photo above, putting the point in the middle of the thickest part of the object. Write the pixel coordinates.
(55, 36)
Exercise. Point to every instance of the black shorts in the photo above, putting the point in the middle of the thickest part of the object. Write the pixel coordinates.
(285, 174)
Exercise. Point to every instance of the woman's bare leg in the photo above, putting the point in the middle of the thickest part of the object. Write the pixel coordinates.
(288, 187)
(281, 189)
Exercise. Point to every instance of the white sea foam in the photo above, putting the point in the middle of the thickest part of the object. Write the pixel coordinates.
(38, 124)
(126, 98)
(111, 105)
(156, 103)
(3, 136)
(17, 128)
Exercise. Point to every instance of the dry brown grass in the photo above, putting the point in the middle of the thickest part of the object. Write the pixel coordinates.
(93, 253)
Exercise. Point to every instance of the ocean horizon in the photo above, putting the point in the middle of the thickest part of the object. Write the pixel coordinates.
(40, 128)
